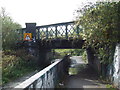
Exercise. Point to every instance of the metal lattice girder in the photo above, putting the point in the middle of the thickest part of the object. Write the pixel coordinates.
(51, 32)
(59, 30)
(42, 32)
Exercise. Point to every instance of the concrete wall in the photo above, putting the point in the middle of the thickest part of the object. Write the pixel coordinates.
(48, 78)
(93, 61)
(112, 70)
(116, 67)
(42, 57)
(45, 57)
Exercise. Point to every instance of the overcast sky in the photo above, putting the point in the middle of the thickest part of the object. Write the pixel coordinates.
(42, 11)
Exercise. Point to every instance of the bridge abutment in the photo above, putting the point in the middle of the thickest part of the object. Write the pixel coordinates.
(45, 57)
(93, 60)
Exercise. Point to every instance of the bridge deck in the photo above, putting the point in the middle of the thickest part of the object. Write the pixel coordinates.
(53, 44)
(61, 44)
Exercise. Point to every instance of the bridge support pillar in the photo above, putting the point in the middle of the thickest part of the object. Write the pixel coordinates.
(93, 60)
(45, 56)
(31, 28)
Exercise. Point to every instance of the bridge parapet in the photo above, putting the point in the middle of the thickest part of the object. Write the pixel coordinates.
(46, 78)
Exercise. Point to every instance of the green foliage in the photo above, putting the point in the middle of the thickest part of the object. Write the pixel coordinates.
(72, 52)
(100, 23)
(9, 33)
(84, 56)
(16, 64)
(111, 87)
(60, 53)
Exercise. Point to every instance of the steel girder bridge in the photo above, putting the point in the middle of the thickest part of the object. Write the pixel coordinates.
(59, 35)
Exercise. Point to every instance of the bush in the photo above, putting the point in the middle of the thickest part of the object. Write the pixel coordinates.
(100, 28)
(84, 56)
(10, 33)
(15, 64)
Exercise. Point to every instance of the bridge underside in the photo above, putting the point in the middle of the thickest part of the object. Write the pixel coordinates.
(54, 44)
(60, 44)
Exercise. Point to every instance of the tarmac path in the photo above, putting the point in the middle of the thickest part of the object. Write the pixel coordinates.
(82, 76)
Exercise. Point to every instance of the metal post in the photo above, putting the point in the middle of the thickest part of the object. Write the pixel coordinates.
(47, 33)
(55, 31)
(78, 31)
(66, 32)
(38, 34)
(21, 34)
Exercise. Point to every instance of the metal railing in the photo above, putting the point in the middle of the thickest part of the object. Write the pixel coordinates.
(46, 78)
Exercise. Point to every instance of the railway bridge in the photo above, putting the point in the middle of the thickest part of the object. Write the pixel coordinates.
(54, 36)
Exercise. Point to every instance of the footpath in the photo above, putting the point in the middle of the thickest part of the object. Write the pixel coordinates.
(82, 76)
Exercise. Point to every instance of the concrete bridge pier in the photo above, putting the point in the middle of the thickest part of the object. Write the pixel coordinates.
(33, 52)
(45, 57)
(93, 60)
(42, 56)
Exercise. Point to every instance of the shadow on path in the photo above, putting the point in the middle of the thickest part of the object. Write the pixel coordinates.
(82, 76)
